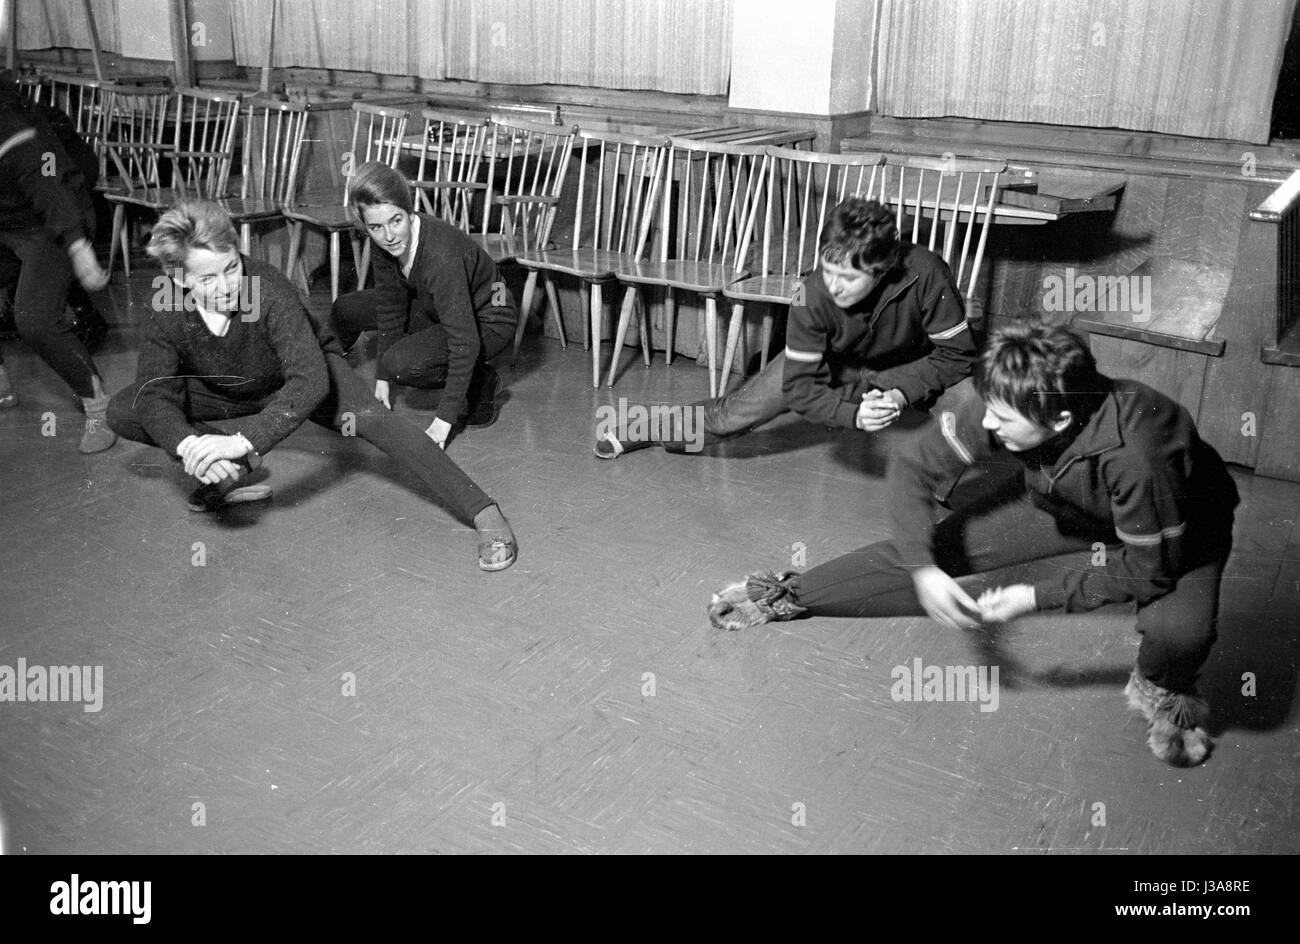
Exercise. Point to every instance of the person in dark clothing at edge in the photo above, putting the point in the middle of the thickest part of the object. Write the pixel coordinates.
(439, 303)
(46, 225)
(882, 328)
(228, 338)
(1094, 463)
(87, 323)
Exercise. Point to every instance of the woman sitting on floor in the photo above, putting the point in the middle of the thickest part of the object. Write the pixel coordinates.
(233, 341)
(439, 303)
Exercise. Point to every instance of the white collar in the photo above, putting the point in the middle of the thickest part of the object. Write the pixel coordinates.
(217, 323)
(415, 244)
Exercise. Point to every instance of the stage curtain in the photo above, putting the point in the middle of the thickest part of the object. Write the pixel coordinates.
(45, 24)
(666, 45)
(1204, 68)
(394, 37)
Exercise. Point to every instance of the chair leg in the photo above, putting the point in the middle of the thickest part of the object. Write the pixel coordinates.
(335, 250)
(361, 256)
(711, 341)
(620, 335)
(117, 234)
(643, 319)
(584, 294)
(554, 299)
(733, 337)
(246, 238)
(293, 263)
(126, 243)
(525, 309)
(670, 322)
(597, 315)
(767, 335)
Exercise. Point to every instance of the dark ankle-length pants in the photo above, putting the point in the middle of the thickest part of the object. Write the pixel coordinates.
(418, 360)
(39, 272)
(397, 436)
(1177, 630)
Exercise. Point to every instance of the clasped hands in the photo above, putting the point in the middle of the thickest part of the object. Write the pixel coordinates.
(945, 602)
(879, 408)
(212, 458)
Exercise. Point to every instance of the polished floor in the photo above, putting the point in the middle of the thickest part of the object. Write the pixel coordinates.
(330, 672)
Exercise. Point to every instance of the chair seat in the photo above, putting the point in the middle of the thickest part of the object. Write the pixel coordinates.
(153, 198)
(777, 289)
(707, 278)
(592, 264)
(324, 217)
(242, 211)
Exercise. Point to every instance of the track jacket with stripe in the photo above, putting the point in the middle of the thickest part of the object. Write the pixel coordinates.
(909, 333)
(1135, 474)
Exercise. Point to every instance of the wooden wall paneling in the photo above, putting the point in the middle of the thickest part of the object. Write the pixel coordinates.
(1177, 374)
(1236, 383)
(1279, 440)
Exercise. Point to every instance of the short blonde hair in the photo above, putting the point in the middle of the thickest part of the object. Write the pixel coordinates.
(190, 224)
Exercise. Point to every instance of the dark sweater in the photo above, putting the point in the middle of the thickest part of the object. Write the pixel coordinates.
(36, 189)
(271, 351)
(909, 333)
(453, 282)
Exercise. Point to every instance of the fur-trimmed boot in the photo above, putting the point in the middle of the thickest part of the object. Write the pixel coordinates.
(1177, 721)
(758, 599)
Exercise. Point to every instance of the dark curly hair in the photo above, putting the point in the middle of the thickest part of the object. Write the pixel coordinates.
(861, 234)
(1039, 370)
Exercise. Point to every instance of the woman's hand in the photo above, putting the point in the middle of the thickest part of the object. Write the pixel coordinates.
(381, 393)
(1003, 604)
(879, 408)
(438, 431)
(206, 450)
(221, 471)
(944, 600)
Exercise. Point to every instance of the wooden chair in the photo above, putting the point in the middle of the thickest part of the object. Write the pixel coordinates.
(135, 145)
(201, 151)
(85, 100)
(377, 132)
(527, 166)
(718, 187)
(956, 196)
(272, 149)
(619, 179)
(802, 188)
(32, 88)
(450, 175)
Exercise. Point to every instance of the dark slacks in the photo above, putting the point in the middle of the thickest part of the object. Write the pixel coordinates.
(396, 435)
(418, 360)
(1177, 629)
(39, 273)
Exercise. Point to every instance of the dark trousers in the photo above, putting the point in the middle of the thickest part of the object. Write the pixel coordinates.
(397, 436)
(761, 399)
(40, 272)
(418, 360)
(1177, 629)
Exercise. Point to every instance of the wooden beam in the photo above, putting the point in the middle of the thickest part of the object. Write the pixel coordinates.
(270, 52)
(96, 53)
(181, 52)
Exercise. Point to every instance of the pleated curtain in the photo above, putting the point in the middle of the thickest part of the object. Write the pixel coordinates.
(1203, 68)
(43, 24)
(394, 37)
(665, 45)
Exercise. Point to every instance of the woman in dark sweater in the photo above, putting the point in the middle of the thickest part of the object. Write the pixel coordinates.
(228, 337)
(439, 303)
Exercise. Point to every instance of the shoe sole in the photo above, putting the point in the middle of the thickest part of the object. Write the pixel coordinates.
(237, 496)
